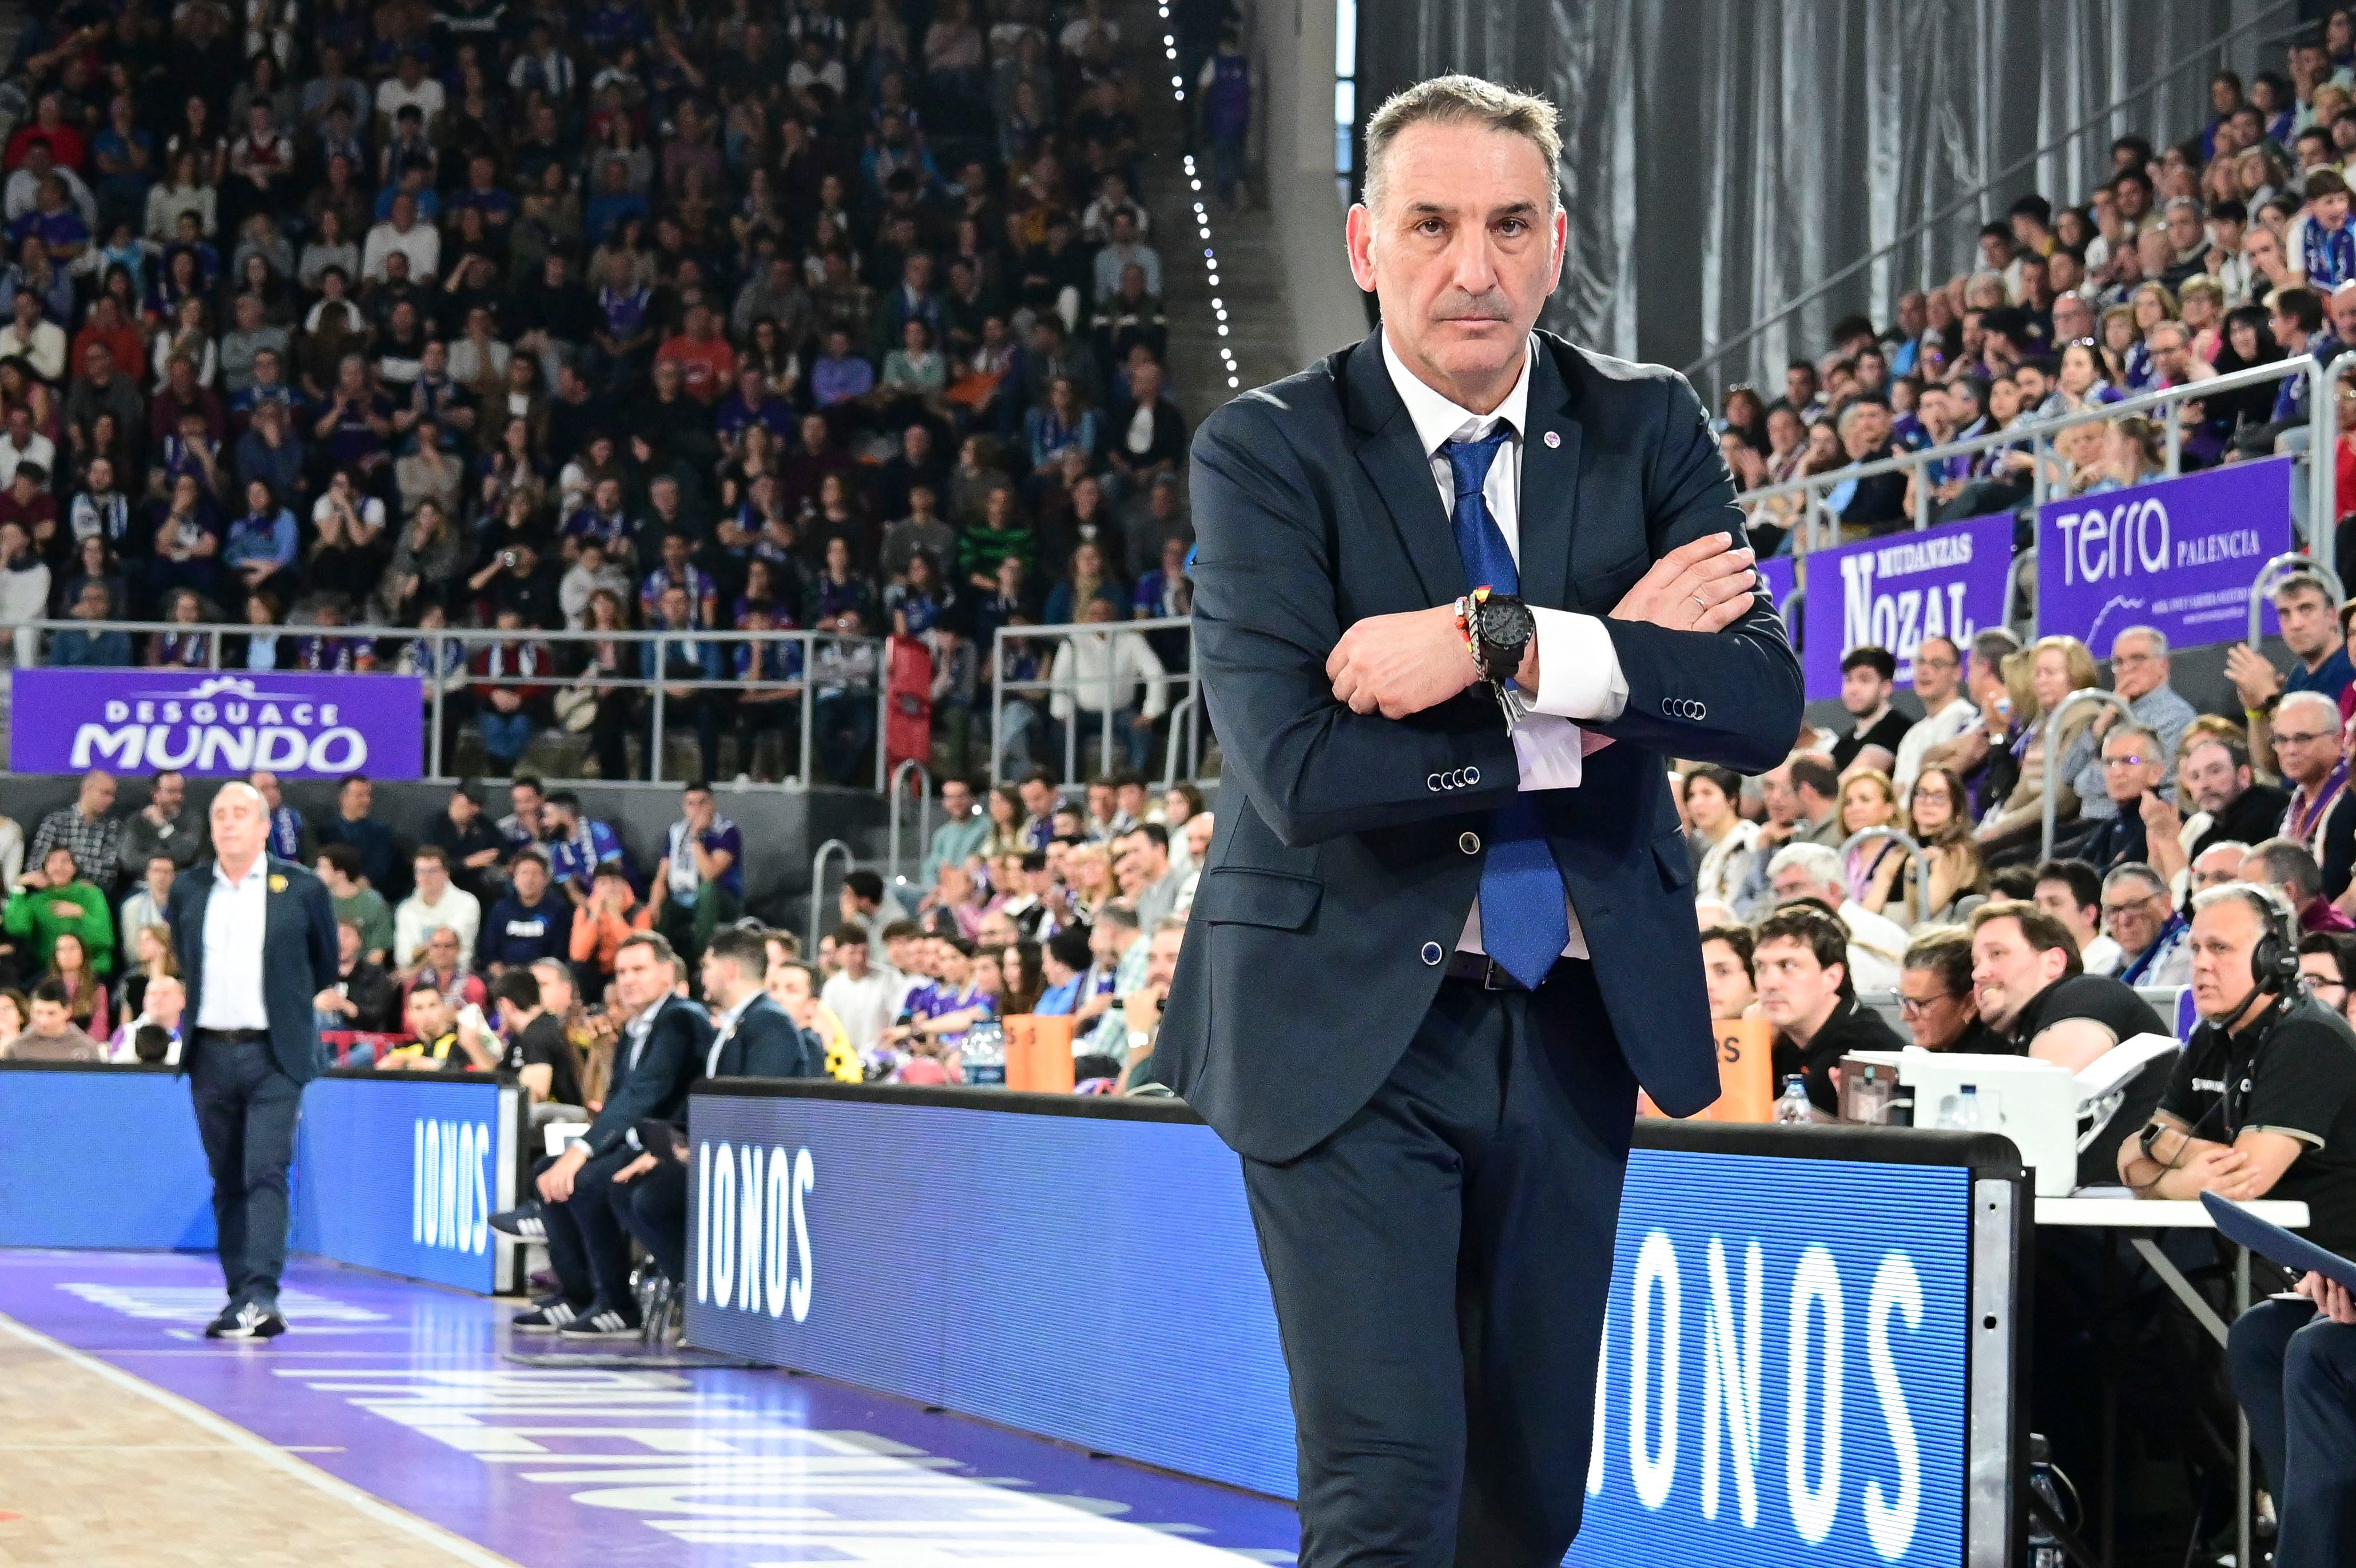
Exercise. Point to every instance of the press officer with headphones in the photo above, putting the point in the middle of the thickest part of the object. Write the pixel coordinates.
(2263, 1102)
(2263, 1105)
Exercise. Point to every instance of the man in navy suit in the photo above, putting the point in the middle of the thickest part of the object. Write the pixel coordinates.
(753, 1039)
(661, 1051)
(255, 936)
(1476, 854)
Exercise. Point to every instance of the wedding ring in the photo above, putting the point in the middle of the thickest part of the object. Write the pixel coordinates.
(1700, 600)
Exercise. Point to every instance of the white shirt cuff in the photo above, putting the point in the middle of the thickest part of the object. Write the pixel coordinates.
(1579, 669)
(1548, 750)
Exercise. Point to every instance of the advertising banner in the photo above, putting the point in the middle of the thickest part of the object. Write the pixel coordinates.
(2178, 554)
(392, 1171)
(216, 723)
(1892, 593)
(1769, 1394)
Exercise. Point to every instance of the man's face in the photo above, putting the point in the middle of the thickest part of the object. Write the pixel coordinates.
(2007, 972)
(348, 943)
(97, 795)
(2215, 867)
(240, 825)
(1728, 981)
(428, 1016)
(50, 1020)
(2133, 913)
(442, 949)
(696, 807)
(2212, 779)
(358, 797)
(1863, 690)
(1162, 958)
(169, 792)
(1467, 246)
(1038, 797)
(530, 880)
(2138, 666)
(2131, 766)
(2224, 935)
(2056, 899)
(556, 993)
(1794, 882)
(2309, 629)
(165, 998)
(2307, 741)
(432, 877)
(1793, 986)
(1938, 668)
(640, 979)
(161, 873)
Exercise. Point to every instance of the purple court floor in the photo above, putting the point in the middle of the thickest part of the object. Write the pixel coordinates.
(403, 1390)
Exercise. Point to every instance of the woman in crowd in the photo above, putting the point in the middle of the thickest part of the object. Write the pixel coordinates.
(1868, 799)
(15, 1016)
(1726, 840)
(1004, 803)
(57, 901)
(152, 959)
(1939, 808)
(70, 965)
(2038, 679)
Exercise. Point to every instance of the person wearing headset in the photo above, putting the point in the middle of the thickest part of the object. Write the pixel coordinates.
(2263, 1105)
(2263, 1100)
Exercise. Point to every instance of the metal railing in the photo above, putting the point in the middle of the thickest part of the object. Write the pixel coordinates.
(1918, 898)
(2271, 575)
(1040, 691)
(442, 679)
(1711, 357)
(923, 809)
(818, 888)
(2037, 436)
(2082, 695)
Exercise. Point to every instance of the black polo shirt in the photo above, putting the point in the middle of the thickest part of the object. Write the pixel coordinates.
(2292, 1071)
(1978, 1040)
(1852, 1027)
(2114, 1005)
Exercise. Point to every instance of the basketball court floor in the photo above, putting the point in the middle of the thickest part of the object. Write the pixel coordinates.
(391, 1428)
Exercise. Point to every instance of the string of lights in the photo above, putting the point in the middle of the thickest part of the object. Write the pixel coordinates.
(1202, 216)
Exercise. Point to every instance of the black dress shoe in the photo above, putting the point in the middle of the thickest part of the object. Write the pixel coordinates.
(250, 1321)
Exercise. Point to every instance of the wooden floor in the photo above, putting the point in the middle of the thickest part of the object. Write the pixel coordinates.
(100, 1471)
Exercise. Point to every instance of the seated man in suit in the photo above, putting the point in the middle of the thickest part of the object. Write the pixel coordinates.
(663, 1049)
(754, 1039)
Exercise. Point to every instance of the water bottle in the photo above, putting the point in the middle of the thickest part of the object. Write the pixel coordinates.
(984, 1053)
(1794, 1107)
(1966, 1117)
(2044, 1547)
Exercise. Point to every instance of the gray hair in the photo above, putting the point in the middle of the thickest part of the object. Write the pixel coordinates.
(1461, 100)
(2146, 731)
(2289, 864)
(2268, 905)
(2310, 698)
(1822, 862)
(2134, 871)
(2153, 634)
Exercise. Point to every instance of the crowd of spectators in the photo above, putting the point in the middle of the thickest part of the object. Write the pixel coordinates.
(1896, 837)
(1024, 902)
(342, 323)
(2228, 249)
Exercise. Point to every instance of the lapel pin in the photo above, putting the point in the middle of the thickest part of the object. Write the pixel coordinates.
(1554, 438)
(277, 884)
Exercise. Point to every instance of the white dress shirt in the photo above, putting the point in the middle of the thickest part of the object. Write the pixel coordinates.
(1578, 670)
(726, 1032)
(235, 917)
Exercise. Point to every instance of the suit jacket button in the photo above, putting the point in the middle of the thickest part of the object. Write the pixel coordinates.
(1469, 842)
(1668, 708)
(1431, 953)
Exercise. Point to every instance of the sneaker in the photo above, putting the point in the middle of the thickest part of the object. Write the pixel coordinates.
(546, 1316)
(251, 1321)
(599, 1322)
(524, 1222)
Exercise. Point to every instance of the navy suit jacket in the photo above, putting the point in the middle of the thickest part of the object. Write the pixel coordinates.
(1348, 851)
(672, 1058)
(298, 958)
(768, 1044)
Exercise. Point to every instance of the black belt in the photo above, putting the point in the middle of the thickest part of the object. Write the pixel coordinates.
(1478, 968)
(235, 1036)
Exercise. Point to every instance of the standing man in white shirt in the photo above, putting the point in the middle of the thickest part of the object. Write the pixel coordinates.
(1946, 712)
(255, 936)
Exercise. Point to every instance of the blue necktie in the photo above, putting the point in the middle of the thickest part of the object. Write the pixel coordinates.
(1525, 923)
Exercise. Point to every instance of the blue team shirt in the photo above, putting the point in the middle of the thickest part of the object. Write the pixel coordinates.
(2332, 677)
(577, 859)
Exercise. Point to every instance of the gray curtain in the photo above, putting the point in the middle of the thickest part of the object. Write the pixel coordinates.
(1722, 157)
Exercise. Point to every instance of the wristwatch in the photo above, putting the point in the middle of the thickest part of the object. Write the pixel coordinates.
(1501, 630)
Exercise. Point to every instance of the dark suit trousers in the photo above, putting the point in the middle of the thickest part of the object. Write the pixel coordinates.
(586, 1245)
(654, 1206)
(1440, 1266)
(246, 1112)
(2294, 1373)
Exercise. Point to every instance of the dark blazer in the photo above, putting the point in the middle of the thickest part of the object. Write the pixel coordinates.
(767, 1044)
(656, 1086)
(298, 958)
(1346, 861)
